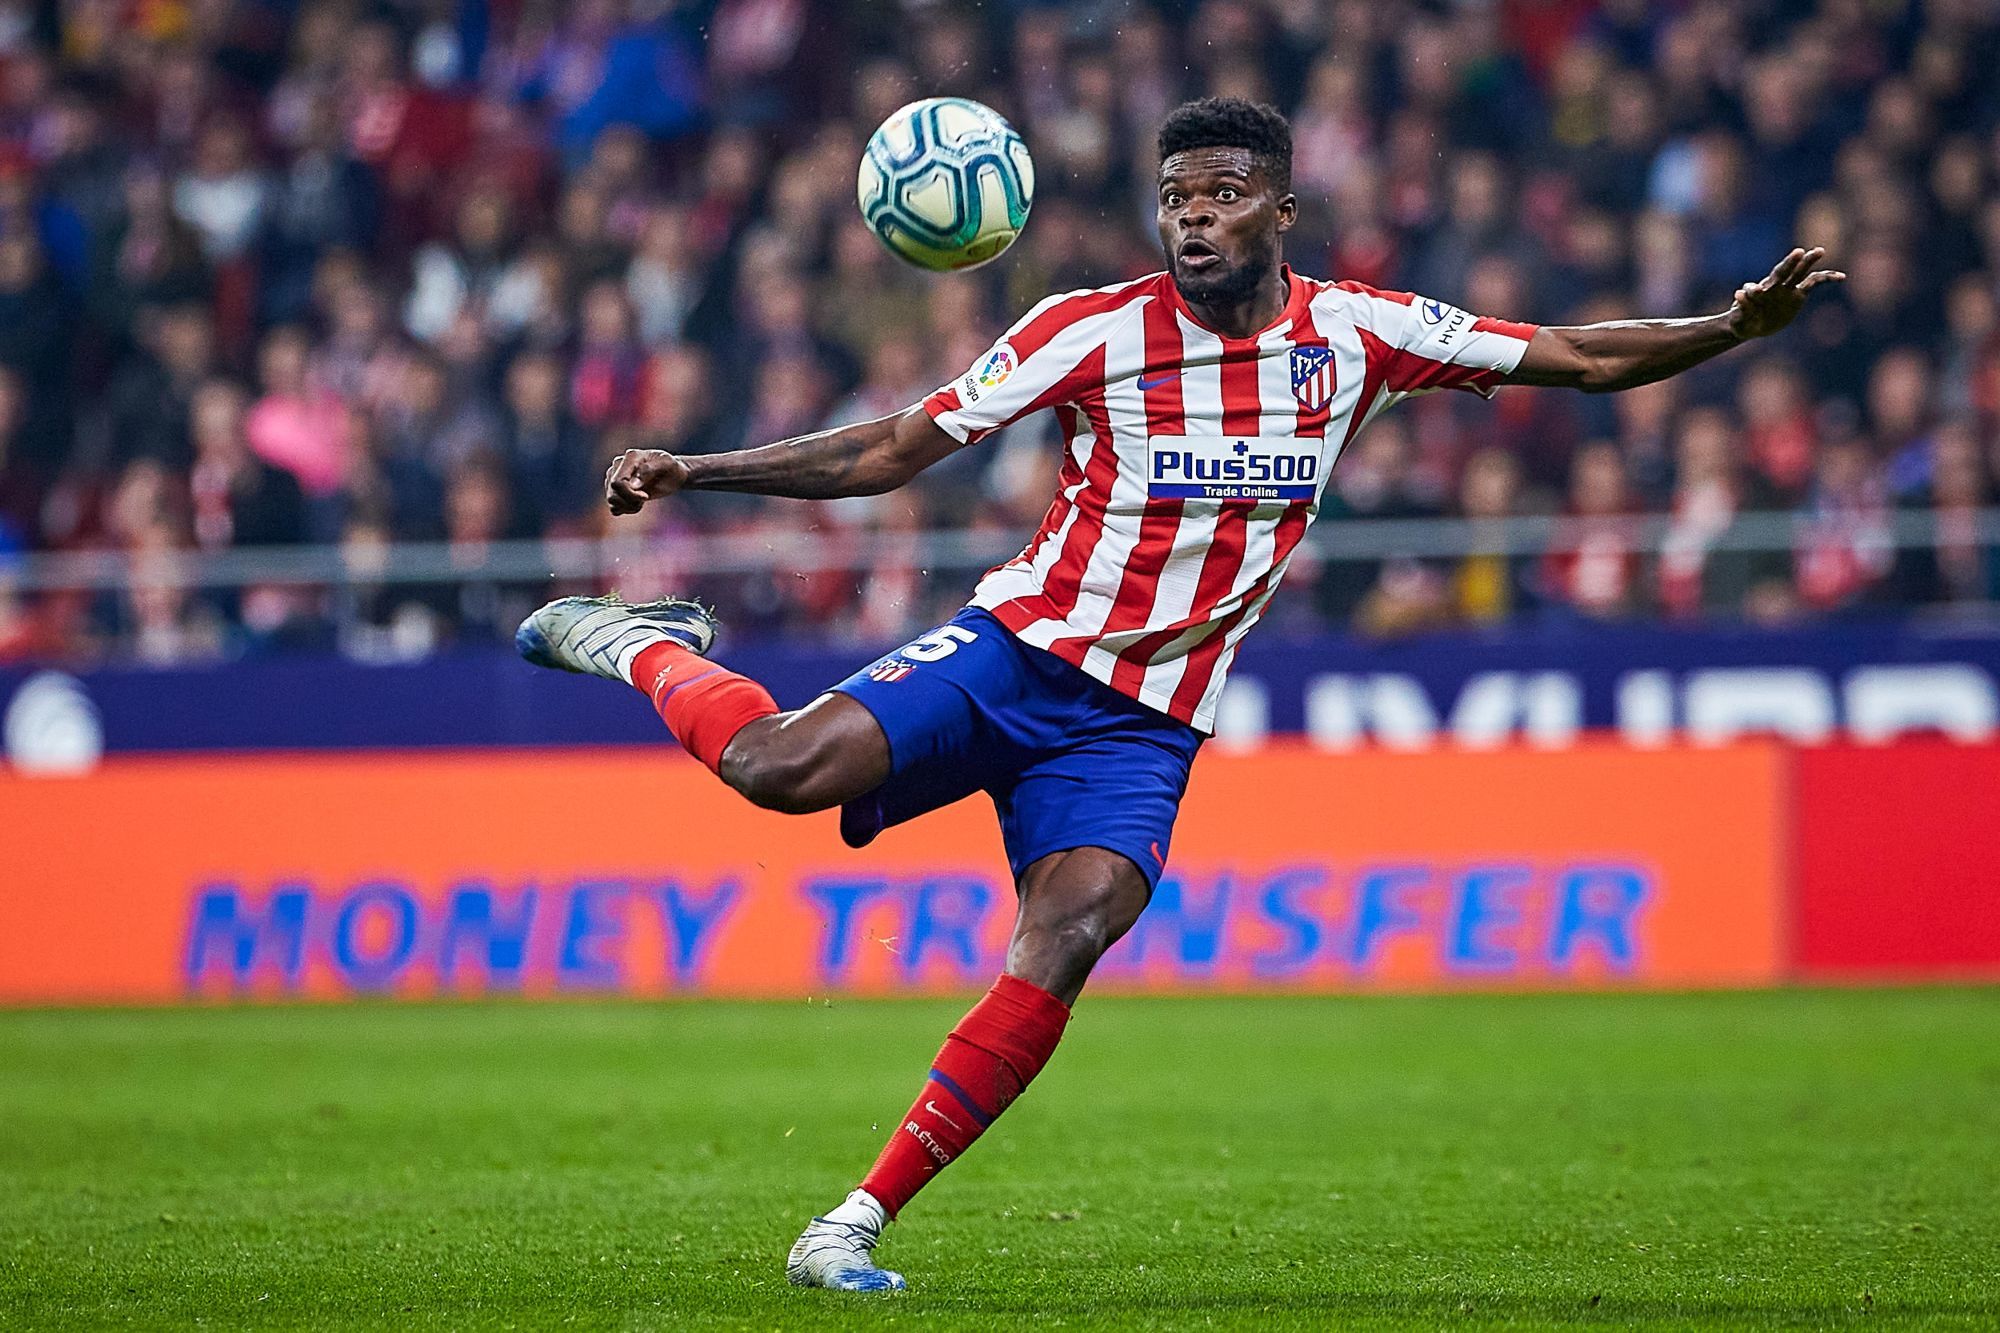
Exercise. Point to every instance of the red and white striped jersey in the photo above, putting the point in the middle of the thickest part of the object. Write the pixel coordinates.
(1194, 462)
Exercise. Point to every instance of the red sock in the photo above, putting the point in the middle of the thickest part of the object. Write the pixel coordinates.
(703, 704)
(995, 1051)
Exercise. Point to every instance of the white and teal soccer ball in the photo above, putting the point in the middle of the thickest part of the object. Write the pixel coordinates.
(946, 183)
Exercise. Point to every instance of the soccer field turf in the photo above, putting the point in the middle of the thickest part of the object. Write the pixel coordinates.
(1805, 1159)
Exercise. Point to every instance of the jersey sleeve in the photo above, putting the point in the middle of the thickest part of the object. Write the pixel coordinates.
(1424, 344)
(1052, 356)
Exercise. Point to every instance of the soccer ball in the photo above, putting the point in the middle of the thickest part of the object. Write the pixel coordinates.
(946, 183)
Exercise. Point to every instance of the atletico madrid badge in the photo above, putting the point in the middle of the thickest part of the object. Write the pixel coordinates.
(890, 669)
(1312, 377)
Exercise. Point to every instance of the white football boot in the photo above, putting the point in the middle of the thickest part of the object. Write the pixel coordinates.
(836, 1250)
(601, 636)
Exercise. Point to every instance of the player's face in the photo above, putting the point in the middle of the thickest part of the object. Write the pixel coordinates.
(1220, 218)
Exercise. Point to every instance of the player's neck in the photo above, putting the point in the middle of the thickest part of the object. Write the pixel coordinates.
(1249, 316)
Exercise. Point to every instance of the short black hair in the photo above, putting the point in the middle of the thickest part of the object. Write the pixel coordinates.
(1232, 122)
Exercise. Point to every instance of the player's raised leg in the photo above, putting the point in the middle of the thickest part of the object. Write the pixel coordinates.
(1075, 904)
(811, 759)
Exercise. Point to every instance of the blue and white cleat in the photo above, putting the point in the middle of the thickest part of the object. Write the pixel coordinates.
(600, 636)
(836, 1250)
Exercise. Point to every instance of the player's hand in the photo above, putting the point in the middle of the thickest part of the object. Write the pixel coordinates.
(639, 475)
(1762, 308)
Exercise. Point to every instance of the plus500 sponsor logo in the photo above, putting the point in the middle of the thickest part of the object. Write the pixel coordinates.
(1223, 468)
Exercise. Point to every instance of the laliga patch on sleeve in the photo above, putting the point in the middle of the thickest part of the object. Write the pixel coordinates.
(990, 373)
(1280, 468)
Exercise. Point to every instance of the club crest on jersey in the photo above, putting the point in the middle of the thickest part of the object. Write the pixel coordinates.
(1312, 377)
(890, 669)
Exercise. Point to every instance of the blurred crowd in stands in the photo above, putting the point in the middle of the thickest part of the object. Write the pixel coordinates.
(364, 271)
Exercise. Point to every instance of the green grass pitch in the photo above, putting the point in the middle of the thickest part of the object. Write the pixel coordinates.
(1790, 1160)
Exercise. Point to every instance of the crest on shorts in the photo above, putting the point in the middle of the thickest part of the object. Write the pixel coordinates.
(890, 669)
(1312, 377)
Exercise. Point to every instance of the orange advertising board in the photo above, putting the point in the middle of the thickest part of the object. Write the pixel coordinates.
(162, 879)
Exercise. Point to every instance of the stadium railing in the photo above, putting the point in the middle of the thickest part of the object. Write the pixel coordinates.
(946, 551)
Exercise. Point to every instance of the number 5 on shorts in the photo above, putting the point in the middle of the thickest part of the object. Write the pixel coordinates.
(938, 644)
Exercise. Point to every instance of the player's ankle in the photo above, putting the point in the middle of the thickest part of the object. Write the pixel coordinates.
(653, 661)
(860, 1208)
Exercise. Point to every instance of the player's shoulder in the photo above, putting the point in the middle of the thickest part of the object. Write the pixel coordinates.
(1387, 312)
(1100, 307)
(1361, 297)
(1083, 302)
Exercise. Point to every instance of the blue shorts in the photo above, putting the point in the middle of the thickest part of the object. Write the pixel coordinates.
(1068, 761)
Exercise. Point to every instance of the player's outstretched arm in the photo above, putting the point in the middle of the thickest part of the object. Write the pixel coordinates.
(867, 458)
(1601, 358)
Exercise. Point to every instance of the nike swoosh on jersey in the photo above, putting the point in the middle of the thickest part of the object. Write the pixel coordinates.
(1158, 380)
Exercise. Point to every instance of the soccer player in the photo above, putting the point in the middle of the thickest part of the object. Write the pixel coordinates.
(1202, 409)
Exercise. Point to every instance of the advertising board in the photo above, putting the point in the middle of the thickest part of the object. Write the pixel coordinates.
(162, 878)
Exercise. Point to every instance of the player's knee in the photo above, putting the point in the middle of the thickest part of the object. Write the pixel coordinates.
(778, 774)
(1078, 926)
(1079, 940)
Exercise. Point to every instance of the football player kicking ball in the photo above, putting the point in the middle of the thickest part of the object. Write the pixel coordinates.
(1203, 409)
